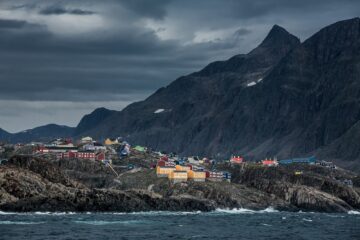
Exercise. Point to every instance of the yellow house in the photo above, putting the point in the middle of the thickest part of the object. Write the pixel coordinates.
(108, 141)
(197, 176)
(182, 168)
(178, 176)
(164, 171)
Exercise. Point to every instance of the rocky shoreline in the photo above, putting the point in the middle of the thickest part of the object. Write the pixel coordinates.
(34, 184)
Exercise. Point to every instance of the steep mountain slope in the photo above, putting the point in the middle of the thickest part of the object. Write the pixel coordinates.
(283, 98)
(93, 119)
(173, 117)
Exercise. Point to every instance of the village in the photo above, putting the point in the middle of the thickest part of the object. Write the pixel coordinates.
(166, 165)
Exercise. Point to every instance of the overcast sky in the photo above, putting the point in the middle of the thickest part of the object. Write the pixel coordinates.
(62, 59)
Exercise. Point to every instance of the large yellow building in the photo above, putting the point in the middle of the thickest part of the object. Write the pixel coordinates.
(182, 168)
(178, 176)
(197, 176)
(108, 141)
(164, 171)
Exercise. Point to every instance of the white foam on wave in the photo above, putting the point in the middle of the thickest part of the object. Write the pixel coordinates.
(160, 110)
(159, 213)
(18, 223)
(37, 213)
(352, 212)
(101, 222)
(267, 225)
(246, 211)
(307, 219)
(54, 213)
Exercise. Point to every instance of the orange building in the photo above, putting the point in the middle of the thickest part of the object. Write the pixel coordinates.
(197, 176)
(164, 171)
(182, 168)
(178, 176)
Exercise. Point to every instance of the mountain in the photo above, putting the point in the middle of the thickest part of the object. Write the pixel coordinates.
(178, 117)
(4, 135)
(92, 120)
(42, 133)
(284, 99)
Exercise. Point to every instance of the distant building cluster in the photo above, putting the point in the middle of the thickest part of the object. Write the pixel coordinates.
(178, 169)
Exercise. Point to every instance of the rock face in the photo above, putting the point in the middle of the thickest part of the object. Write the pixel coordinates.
(36, 185)
(32, 184)
(283, 98)
(190, 103)
(316, 189)
(93, 119)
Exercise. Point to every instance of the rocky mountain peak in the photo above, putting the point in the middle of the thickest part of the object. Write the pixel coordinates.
(279, 36)
(277, 43)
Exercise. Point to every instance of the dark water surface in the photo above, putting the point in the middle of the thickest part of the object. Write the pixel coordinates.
(221, 224)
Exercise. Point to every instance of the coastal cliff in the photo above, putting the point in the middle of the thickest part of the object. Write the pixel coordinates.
(35, 184)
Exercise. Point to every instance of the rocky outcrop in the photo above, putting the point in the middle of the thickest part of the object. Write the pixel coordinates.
(33, 184)
(25, 190)
(317, 188)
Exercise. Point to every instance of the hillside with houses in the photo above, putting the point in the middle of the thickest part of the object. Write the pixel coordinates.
(89, 175)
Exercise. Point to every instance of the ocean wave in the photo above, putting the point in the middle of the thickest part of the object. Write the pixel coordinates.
(38, 213)
(54, 213)
(307, 219)
(101, 222)
(245, 210)
(158, 213)
(18, 223)
(352, 212)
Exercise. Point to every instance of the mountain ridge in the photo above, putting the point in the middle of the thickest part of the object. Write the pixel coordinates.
(284, 98)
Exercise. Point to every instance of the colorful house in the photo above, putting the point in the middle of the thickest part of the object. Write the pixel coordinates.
(86, 140)
(215, 176)
(162, 163)
(197, 176)
(110, 141)
(164, 171)
(309, 160)
(178, 176)
(42, 149)
(140, 148)
(85, 155)
(100, 156)
(236, 159)
(269, 162)
(182, 168)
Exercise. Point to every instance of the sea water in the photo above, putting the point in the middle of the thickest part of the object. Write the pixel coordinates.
(220, 224)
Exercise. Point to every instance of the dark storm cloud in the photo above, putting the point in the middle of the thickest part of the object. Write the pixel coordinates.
(58, 10)
(153, 9)
(89, 53)
(5, 23)
(34, 38)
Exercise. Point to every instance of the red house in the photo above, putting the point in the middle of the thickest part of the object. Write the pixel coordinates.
(100, 156)
(42, 149)
(236, 159)
(86, 155)
(269, 162)
(164, 158)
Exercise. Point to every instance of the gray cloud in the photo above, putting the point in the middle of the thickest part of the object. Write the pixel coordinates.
(5, 23)
(90, 53)
(58, 10)
(153, 9)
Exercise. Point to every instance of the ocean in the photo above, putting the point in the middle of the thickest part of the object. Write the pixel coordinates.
(220, 224)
